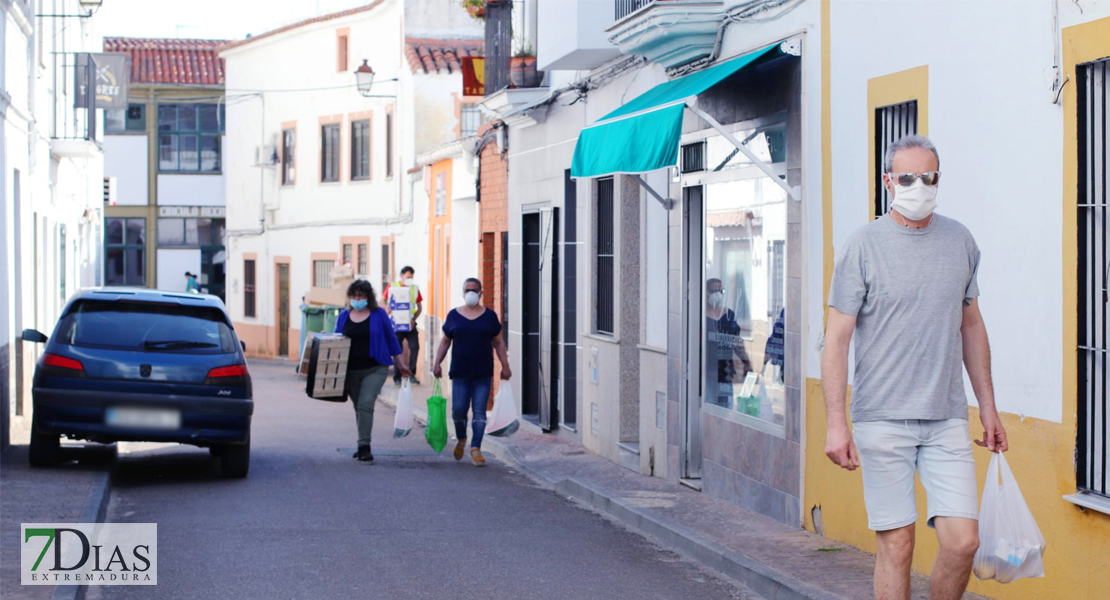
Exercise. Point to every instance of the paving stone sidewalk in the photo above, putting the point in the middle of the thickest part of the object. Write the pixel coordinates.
(774, 560)
(72, 492)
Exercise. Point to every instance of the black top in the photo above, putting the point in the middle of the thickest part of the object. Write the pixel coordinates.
(359, 359)
(471, 343)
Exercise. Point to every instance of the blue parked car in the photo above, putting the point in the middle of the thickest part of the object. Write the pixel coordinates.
(143, 365)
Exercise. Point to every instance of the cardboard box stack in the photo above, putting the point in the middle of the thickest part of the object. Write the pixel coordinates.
(336, 295)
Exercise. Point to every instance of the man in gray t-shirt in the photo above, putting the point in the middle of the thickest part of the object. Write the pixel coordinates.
(906, 286)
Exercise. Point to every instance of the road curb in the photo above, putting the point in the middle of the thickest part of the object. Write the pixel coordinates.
(96, 508)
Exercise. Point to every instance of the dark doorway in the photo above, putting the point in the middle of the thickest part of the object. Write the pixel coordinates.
(530, 317)
(540, 319)
(283, 309)
(569, 314)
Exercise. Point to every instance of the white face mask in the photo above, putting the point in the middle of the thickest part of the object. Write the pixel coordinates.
(407, 281)
(471, 298)
(915, 202)
(716, 299)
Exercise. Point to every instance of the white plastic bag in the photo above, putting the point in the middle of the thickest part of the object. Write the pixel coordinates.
(402, 422)
(502, 420)
(1011, 546)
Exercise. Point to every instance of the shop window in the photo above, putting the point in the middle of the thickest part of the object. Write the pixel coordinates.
(891, 124)
(360, 150)
(248, 288)
(125, 250)
(190, 233)
(125, 120)
(288, 156)
(329, 152)
(1092, 444)
(321, 273)
(604, 273)
(189, 137)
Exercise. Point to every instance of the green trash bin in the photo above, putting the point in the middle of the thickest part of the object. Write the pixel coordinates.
(314, 319)
(331, 315)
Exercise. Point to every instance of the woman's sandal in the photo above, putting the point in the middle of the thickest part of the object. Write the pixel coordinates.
(459, 448)
(476, 456)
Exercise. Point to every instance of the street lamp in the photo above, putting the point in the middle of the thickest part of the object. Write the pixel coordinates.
(365, 77)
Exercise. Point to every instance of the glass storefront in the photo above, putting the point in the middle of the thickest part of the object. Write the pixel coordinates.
(745, 284)
(205, 234)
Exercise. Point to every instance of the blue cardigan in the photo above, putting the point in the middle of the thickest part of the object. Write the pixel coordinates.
(383, 342)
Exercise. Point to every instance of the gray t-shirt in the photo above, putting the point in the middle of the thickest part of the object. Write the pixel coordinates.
(907, 289)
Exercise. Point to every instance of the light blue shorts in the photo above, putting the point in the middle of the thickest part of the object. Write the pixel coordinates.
(939, 451)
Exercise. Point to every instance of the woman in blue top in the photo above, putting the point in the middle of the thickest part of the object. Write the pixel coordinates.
(374, 348)
(475, 332)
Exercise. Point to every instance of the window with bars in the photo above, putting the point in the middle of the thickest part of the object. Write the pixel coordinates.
(389, 144)
(363, 259)
(387, 268)
(329, 152)
(891, 124)
(248, 288)
(360, 150)
(321, 273)
(288, 156)
(348, 254)
(604, 275)
(1093, 269)
(470, 118)
(693, 157)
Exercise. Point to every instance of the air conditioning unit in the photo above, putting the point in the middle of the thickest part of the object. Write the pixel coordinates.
(266, 155)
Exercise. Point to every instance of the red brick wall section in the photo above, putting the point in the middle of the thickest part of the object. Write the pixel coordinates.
(494, 219)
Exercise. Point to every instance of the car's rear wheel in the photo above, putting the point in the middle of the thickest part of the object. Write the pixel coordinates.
(235, 459)
(44, 447)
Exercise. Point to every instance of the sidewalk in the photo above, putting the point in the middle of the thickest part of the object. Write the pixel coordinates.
(73, 492)
(772, 559)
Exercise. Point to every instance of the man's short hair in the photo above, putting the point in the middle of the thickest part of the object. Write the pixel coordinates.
(473, 280)
(905, 143)
(408, 270)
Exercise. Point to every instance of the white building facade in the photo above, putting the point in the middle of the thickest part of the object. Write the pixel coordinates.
(53, 187)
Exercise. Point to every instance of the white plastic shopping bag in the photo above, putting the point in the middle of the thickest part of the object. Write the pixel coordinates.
(502, 420)
(402, 422)
(1011, 546)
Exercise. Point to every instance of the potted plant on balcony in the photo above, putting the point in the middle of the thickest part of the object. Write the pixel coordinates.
(476, 8)
(522, 66)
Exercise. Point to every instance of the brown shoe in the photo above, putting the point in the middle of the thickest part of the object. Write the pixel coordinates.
(459, 447)
(476, 456)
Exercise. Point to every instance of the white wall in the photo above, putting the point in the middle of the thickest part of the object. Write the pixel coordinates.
(572, 34)
(654, 286)
(172, 265)
(193, 189)
(125, 158)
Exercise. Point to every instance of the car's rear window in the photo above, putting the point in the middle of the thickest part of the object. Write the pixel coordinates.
(146, 327)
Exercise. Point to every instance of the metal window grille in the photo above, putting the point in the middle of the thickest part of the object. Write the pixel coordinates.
(363, 259)
(470, 118)
(605, 256)
(321, 272)
(693, 157)
(498, 46)
(360, 150)
(623, 8)
(1094, 260)
(347, 253)
(891, 124)
(288, 153)
(329, 152)
(248, 288)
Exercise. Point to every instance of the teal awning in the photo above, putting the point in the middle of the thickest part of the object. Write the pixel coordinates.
(644, 134)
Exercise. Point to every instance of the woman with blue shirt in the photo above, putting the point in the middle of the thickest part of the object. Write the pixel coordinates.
(374, 348)
(475, 331)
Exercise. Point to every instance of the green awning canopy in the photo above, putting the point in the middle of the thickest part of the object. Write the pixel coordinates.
(644, 134)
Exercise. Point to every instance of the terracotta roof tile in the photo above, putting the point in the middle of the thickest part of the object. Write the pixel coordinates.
(440, 56)
(171, 61)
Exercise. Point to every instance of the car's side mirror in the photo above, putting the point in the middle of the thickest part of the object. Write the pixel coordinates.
(30, 335)
(243, 344)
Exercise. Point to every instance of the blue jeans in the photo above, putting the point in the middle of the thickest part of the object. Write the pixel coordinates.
(470, 394)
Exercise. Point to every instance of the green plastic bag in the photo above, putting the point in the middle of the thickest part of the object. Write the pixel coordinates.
(436, 431)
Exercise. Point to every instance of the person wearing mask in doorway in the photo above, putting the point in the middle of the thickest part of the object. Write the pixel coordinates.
(191, 283)
(475, 332)
(374, 348)
(725, 343)
(404, 303)
(906, 286)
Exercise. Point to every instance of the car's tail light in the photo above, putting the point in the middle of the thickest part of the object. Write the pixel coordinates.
(62, 366)
(229, 375)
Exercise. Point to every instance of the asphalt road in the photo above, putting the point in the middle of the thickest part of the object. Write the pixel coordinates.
(311, 522)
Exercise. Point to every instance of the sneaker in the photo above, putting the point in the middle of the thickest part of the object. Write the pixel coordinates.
(459, 448)
(477, 458)
(414, 381)
(364, 454)
(355, 455)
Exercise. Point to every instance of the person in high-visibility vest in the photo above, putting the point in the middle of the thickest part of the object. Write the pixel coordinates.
(404, 303)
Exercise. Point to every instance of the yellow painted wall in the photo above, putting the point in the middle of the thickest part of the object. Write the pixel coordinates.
(1077, 559)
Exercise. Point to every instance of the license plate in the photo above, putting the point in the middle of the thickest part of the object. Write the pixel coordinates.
(145, 418)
